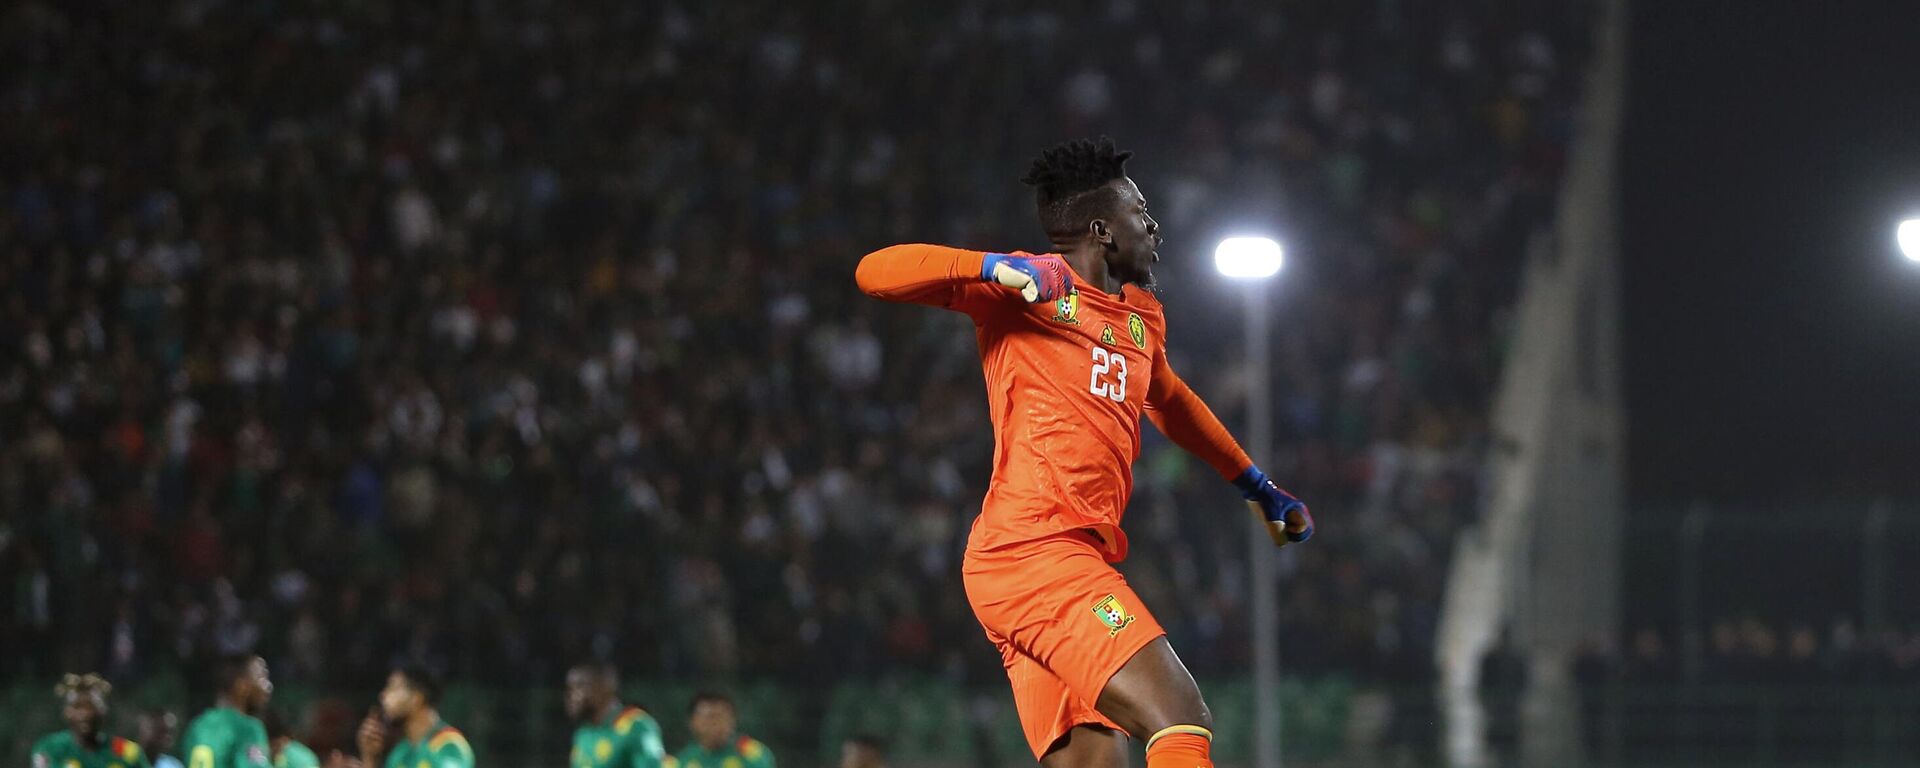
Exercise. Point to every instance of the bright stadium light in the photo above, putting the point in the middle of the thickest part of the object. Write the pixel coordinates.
(1909, 237)
(1247, 257)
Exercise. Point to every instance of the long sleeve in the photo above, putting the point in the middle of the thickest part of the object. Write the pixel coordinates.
(923, 274)
(1185, 419)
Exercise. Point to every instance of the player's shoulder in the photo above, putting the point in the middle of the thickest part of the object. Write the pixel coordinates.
(301, 755)
(207, 725)
(57, 741)
(750, 748)
(126, 749)
(630, 718)
(449, 737)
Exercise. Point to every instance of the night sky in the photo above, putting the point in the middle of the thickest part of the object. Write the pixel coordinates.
(1772, 329)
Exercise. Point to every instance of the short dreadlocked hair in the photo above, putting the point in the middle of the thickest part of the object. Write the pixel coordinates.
(1070, 182)
(83, 685)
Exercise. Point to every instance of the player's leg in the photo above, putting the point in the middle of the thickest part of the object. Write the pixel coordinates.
(1063, 730)
(1088, 746)
(1011, 600)
(1154, 697)
(1084, 657)
(1154, 691)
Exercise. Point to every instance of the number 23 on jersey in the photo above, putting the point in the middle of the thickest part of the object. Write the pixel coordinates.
(1109, 376)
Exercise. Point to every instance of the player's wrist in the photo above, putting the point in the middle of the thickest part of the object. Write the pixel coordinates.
(1257, 487)
(1249, 482)
(989, 261)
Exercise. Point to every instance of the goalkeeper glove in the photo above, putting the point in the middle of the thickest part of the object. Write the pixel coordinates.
(1288, 520)
(1037, 278)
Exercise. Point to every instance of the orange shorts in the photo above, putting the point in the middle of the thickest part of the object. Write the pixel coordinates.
(1064, 621)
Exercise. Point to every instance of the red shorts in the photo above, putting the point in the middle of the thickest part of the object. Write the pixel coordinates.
(1064, 621)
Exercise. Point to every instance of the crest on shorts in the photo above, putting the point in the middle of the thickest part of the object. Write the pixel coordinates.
(1112, 614)
(1066, 309)
(1137, 328)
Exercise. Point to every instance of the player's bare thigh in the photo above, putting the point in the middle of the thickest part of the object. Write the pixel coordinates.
(1088, 746)
(1152, 692)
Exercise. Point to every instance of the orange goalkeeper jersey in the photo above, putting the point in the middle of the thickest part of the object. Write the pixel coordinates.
(1067, 382)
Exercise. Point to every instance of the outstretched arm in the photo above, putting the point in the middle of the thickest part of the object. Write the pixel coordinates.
(1185, 419)
(949, 277)
(923, 274)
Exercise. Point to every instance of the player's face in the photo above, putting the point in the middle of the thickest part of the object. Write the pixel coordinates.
(259, 688)
(83, 713)
(398, 700)
(712, 723)
(1136, 236)
(582, 691)
(157, 732)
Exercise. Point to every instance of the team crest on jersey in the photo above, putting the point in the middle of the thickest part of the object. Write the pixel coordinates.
(1106, 335)
(1137, 328)
(1112, 614)
(1066, 309)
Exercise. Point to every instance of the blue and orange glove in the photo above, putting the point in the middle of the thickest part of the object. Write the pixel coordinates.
(1038, 278)
(1288, 520)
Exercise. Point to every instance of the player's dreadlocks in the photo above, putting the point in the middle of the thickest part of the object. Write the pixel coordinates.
(88, 683)
(1070, 183)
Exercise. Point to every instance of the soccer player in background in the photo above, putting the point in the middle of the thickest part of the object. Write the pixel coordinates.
(717, 742)
(1074, 351)
(159, 732)
(287, 753)
(230, 735)
(407, 706)
(85, 743)
(610, 734)
(863, 751)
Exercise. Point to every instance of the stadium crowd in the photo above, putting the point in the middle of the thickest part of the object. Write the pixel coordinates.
(495, 336)
(1748, 650)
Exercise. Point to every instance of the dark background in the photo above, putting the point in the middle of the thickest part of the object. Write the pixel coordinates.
(1772, 329)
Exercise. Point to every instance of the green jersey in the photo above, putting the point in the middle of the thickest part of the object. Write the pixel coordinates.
(62, 750)
(296, 755)
(442, 747)
(628, 738)
(224, 737)
(743, 752)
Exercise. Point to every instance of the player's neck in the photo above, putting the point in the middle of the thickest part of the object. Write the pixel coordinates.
(420, 722)
(607, 712)
(1089, 261)
(91, 742)
(227, 701)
